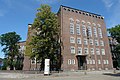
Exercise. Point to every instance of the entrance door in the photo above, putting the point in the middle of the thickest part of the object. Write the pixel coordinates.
(81, 62)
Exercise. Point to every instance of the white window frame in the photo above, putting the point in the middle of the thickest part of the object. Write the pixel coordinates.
(86, 50)
(78, 29)
(96, 43)
(107, 62)
(72, 40)
(104, 61)
(103, 51)
(92, 51)
(91, 42)
(100, 32)
(80, 50)
(93, 61)
(97, 51)
(89, 31)
(78, 40)
(73, 61)
(71, 28)
(69, 61)
(84, 30)
(95, 32)
(101, 43)
(72, 50)
(99, 61)
(85, 41)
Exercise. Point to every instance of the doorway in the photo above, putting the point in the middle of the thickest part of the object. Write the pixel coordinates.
(82, 62)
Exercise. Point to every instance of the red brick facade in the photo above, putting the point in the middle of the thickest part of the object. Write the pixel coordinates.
(88, 61)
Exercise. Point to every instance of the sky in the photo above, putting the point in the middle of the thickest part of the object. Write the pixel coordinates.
(15, 15)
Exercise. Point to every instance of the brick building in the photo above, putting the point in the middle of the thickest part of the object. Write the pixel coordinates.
(84, 41)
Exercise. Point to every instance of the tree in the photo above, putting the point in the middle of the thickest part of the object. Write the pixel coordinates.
(10, 43)
(46, 37)
(115, 34)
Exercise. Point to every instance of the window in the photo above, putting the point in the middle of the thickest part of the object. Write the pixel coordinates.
(94, 24)
(99, 62)
(95, 32)
(100, 33)
(73, 61)
(33, 61)
(96, 43)
(88, 61)
(79, 50)
(92, 50)
(72, 40)
(98, 25)
(97, 51)
(78, 29)
(72, 49)
(89, 31)
(103, 51)
(78, 40)
(104, 61)
(69, 61)
(91, 41)
(93, 61)
(86, 50)
(84, 30)
(85, 41)
(83, 22)
(101, 43)
(107, 62)
(71, 28)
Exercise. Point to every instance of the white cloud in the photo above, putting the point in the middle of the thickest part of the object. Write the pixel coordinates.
(108, 3)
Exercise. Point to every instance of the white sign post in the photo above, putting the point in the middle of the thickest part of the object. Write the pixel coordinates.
(47, 67)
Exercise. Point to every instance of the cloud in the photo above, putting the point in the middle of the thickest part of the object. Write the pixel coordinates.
(114, 18)
(48, 1)
(108, 3)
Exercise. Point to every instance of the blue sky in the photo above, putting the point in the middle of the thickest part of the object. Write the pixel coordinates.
(15, 15)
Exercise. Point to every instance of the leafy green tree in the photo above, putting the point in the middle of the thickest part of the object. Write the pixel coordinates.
(115, 34)
(10, 43)
(46, 37)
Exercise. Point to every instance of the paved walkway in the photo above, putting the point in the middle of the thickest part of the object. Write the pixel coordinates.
(80, 75)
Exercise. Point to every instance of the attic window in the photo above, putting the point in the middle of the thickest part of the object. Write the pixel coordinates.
(68, 9)
(83, 13)
(76, 11)
(72, 10)
(64, 8)
(79, 12)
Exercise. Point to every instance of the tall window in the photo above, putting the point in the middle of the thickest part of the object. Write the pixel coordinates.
(100, 33)
(86, 50)
(78, 40)
(78, 29)
(72, 40)
(92, 50)
(71, 28)
(73, 61)
(97, 51)
(72, 49)
(89, 31)
(91, 41)
(85, 41)
(84, 30)
(101, 43)
(93, 61)
(79, 50)
(103, 51)
(95, 31)
(69, 61)
(96, 43)
(99, 62)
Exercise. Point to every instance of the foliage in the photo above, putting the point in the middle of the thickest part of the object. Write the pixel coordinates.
(46, 40)
(10, 43)
(115, 34)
